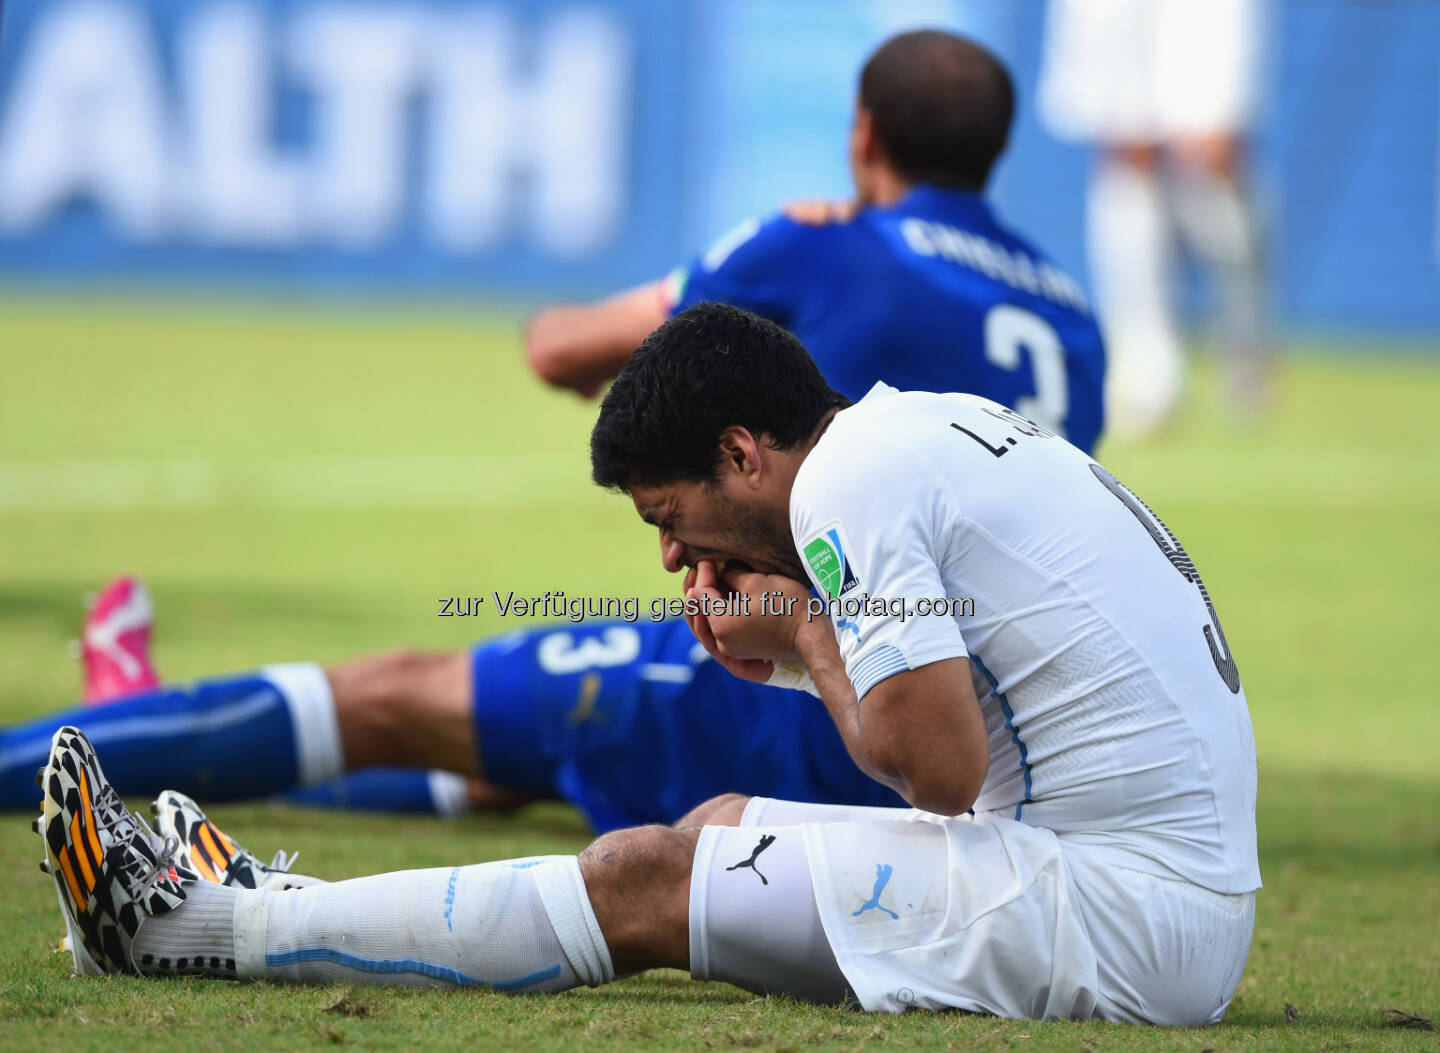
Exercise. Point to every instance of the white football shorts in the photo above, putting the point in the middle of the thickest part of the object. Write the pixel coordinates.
(909, 910)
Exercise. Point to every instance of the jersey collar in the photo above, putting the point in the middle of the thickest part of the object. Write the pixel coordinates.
(926, 199)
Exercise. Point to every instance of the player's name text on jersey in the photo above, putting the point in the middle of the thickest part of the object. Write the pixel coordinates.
(1019, 271)
(557, 604)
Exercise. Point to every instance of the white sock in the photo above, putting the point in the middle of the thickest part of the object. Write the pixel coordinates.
(198, 937)
(519, 925)
(1130, 246)
(449, 792)
(312, 715)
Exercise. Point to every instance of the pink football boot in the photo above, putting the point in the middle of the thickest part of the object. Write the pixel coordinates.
(115, 646)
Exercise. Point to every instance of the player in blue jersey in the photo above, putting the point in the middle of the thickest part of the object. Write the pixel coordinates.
(915, 283)
(929, 286)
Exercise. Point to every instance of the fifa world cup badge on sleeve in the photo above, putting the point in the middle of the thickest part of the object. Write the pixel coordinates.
(829, 564)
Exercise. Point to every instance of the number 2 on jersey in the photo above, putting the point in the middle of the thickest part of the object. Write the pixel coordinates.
(1181, 561)
(1008, 329)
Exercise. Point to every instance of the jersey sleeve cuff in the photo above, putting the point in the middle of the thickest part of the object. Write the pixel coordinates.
(885, 661)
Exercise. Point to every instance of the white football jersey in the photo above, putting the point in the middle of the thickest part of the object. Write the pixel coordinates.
(1114, 708)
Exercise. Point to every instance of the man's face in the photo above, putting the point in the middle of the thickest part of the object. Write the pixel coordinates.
(721, 521)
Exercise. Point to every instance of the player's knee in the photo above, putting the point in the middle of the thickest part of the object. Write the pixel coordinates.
(725, 810)
(626, 859)
(647, 865)
(395, 677)
(1139, 156)
(406, 666)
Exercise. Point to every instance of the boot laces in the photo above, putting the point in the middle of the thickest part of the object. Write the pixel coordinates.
(282, 863)
(123, 827)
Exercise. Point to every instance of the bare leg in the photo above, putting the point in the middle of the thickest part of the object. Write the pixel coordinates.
(647, 865)
(406, 709)
(492, 798)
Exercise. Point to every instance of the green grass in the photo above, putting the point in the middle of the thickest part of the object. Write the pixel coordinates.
(298, 485)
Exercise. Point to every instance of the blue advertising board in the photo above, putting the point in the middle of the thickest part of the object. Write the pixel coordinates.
(526, 149)
(394, 145)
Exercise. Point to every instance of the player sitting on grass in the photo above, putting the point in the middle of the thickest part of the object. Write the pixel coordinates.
(1082, 842)
(918, 285)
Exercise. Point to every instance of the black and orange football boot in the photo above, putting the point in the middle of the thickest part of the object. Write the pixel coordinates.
(111, 871)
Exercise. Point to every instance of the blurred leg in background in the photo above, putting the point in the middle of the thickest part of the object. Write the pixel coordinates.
(1131, 247)
(1215, 213)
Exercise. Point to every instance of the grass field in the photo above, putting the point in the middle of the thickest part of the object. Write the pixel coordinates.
(298, 485)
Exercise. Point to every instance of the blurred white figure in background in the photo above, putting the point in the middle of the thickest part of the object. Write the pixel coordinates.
(1167, 90)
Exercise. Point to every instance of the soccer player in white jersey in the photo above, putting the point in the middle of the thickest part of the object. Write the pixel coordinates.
(1074, 740)
(1168, 92)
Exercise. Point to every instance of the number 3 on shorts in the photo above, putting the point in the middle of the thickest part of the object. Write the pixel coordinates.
(559, 654)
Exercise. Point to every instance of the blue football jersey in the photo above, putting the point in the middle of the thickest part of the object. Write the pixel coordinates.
(929, 294)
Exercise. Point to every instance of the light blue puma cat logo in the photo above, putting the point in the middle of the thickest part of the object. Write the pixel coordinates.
(882, 878)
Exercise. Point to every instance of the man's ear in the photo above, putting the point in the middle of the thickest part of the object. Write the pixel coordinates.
(740, 454)
(866, 145)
